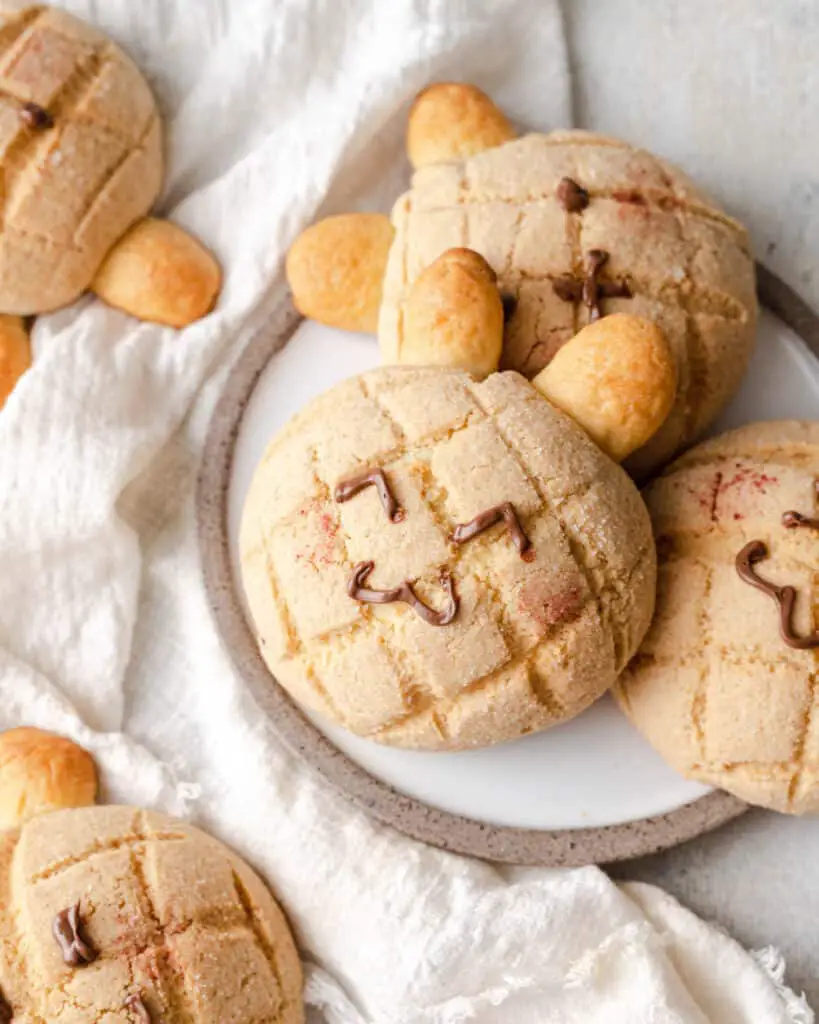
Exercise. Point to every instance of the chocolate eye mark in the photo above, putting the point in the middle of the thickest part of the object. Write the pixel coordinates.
(505, 513)
(34, 116)
(357, 589)
(6, 1012)
(785, 597)
(590, 288)
(347, 489)
(67, 933)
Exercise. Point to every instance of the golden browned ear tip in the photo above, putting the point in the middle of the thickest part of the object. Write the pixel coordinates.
(15, 354)
(454, 315)
(617, 379)
(41, 772)
(335, 270)
(452, 121)
(158, 272)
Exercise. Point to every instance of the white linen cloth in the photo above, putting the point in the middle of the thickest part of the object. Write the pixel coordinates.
(277, 112)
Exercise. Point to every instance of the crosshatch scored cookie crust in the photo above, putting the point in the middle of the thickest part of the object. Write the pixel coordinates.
(686, 264)
(715, 687)
(535, 639)
(76, 176)
(168, 918)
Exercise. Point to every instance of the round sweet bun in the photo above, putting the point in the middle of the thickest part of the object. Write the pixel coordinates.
(159, 922)
(724, 685)
(15, 354)
(617, 378)
(570, 217)
(158, 272)
(41, 772)
(83, 160)
(454, 316)
(511, 639)
(451, 121)
(335, 270)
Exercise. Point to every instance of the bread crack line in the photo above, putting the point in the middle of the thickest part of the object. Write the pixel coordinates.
(138, 1008)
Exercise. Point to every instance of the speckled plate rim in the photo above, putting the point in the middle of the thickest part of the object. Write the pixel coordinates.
(559, 848)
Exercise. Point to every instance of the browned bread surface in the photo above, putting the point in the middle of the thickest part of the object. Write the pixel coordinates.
(454, 315)
(617, 379)
(453, 120)
(42, 772)
(335, 269)
(159, 272)
(15, 354)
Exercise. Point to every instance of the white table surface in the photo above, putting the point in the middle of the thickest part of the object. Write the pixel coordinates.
(730, 91)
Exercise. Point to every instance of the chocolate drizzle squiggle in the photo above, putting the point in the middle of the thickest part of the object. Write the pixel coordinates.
(67, 933)
(357, 589)
(785, 597)
(793, 520)
(6, 1012)
(347, 489)
(485, 520)
(590, 288)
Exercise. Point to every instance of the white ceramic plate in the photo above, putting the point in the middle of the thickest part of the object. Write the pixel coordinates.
(594, 771)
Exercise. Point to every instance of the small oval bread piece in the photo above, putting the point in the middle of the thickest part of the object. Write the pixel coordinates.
(617, 379)
(41, 772)
(15, 354)
(158, 272)
(335, 270)
(452, 121)
(454, 316)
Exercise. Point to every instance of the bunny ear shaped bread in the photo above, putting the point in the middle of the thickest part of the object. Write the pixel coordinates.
(452, 121)
(42, 772)
(616, 378)
(454, 317)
